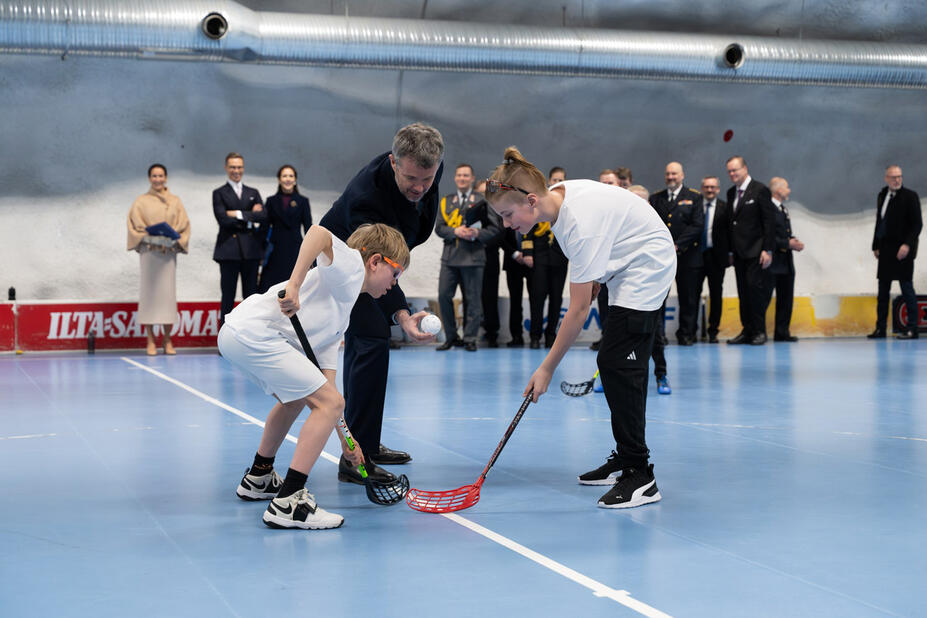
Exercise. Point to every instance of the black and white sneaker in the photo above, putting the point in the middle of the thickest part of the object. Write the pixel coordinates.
(262, 487)
(635, 487)
(606, 474)
(300, 511)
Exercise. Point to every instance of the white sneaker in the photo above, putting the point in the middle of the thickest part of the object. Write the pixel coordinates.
(262, 487)
(300, 511)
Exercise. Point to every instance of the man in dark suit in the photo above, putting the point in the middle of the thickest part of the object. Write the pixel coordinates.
(681, 209)
(753, 237)
(517, 276)
(398, 188)
(715, 245)
(240, 243)
(467, 225)
(894, 244)
(782, 270)
(490, 294)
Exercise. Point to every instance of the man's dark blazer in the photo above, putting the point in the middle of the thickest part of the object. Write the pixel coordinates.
(753, 223)
(685, 220)
(236, 241)
(901, 225)
(782, 263)
(372, 196)
(720, 233)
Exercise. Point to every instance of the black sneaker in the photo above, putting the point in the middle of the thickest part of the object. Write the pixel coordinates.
(635, 487)
(606, 474)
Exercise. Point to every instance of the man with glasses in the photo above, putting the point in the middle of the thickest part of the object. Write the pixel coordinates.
(398, 188)
(714, 246)
(894, 244)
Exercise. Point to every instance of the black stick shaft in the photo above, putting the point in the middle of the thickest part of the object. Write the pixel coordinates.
(508, 434)
(301, 334)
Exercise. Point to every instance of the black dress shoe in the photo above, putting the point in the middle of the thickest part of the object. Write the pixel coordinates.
(515, 343)
(661, 339)
(470, 346)
(389, 457)
(876, 334)
(349, 474)
(535, 344)
(447, 345)
(908, 334)
(759, 339)
(595, 345)
(712, 339)
(686, 341)
(785, 338)
(492, 342)
(739, 339)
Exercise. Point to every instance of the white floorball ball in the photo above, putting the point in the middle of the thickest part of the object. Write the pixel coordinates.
(431, 324)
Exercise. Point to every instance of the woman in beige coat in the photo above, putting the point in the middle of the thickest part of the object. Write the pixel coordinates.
(157, 302)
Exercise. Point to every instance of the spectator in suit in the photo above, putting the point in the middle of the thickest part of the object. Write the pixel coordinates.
(398, 188)
(681, 209)
(288, 218)
(714, 246)
(782, 270)
(517, 276)
(894, 244)
(466, 227)
(753, 238)
(240, 213)
(490, 295)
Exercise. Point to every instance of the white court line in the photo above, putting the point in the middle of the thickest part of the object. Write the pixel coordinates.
(31, 435)
(598, 589)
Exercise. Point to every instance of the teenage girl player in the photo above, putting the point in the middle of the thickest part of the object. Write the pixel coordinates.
(611, 237)
(259, 339)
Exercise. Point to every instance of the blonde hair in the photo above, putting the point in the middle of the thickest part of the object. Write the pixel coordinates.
(640, 191)
(517, 171)
(380, 238)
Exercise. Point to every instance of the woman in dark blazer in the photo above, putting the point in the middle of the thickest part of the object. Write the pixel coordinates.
(287, 212)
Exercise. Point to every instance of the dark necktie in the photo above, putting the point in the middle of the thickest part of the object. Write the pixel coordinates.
(740, 195)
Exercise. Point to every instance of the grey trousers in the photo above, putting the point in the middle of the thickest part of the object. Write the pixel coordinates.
(470, 280)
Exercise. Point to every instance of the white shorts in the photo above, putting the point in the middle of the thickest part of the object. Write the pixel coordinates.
(274, 364)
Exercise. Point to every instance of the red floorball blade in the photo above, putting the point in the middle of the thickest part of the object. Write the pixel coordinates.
(444, 501)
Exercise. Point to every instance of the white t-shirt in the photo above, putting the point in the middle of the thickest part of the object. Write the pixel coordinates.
(326, 298)
(612, 236)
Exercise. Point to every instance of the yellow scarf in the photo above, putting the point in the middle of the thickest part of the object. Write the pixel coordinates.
(455, 219)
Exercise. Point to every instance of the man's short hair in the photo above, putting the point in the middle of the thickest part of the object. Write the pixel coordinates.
(380, 238)
(460, 165)
(640, 191)
(233, 155)
(420, 142)
(742, 160)
(710, 178)
(624, 173)
(775, 182)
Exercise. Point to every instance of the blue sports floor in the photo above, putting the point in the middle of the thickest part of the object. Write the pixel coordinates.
(794, 482)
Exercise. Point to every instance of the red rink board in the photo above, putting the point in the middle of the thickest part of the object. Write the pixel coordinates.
(65, 326)
(7, 328)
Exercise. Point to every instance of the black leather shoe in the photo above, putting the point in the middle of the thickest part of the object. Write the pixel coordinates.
(389, 457)
(908, 334)
(470, 346)
(739, 339)
(535, 344)
(686, 341)
(349, 474)
(785, 338)
(447, 345)
(661, 339)
(712, 339)
(515, 343)
(492, 342)
(876, 334)
(758, 339)
(595, 345)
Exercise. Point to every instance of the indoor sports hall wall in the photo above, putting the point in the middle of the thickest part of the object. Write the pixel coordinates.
(78, 135)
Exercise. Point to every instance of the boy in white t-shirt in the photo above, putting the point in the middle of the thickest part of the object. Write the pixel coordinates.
(611, 237)
(259, 339)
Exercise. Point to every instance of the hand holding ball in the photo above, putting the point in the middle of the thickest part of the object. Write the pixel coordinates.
(431, 324)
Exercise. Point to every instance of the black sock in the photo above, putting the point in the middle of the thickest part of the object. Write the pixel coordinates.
(262, 465)
(293, 482)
